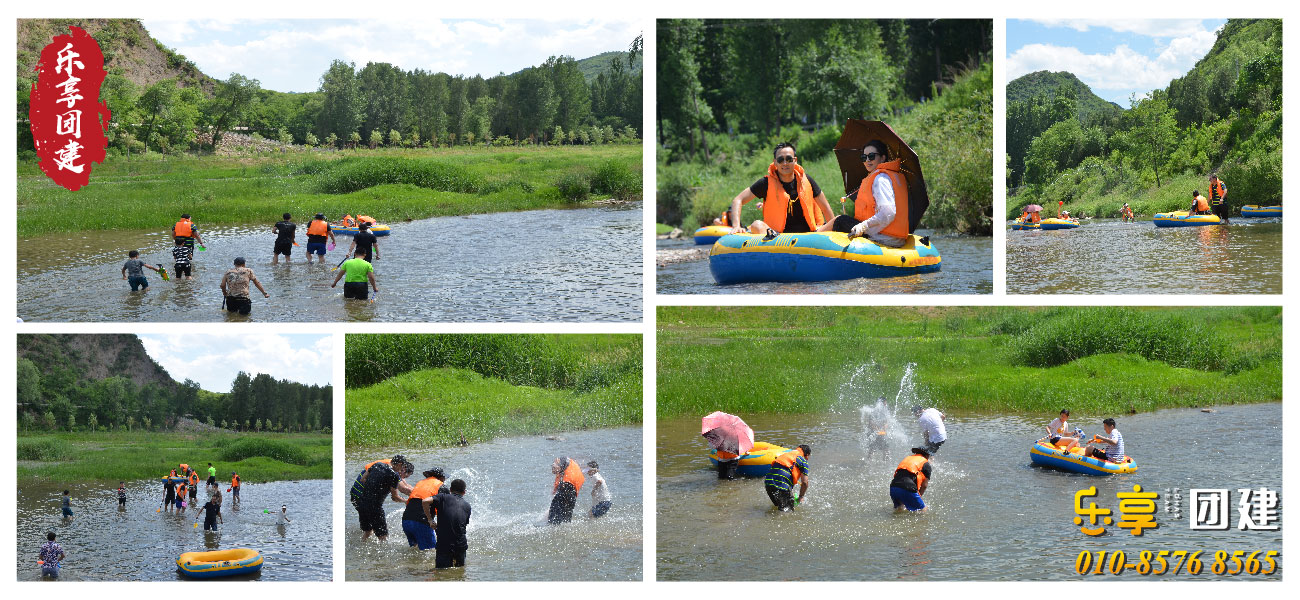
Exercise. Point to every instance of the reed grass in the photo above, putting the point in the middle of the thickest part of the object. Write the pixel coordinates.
(390, 185)
(801, 359)
(442, 406)
(119, 456)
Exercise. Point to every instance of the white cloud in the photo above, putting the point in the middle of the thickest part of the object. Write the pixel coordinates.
(1159, 28)
(1121, 69)
(213, 360)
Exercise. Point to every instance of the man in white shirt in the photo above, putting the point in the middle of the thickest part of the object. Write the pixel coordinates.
(1114, 444)
(601, 499)
(931, 421)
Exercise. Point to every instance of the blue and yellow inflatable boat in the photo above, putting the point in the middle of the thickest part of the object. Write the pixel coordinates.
(790, 257)
(756, 462)
(1180, 218)
(1055, 223)
(1020, 225)
(377, 229)
(177, 479)
(710, 234)
(220, 563)
(1251, 210)
(1046, 454)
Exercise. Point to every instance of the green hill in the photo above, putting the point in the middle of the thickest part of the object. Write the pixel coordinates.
(600, 63)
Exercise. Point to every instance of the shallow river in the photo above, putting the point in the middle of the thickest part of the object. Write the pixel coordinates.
(993, 516)
(1108, 256)
(544, 265)
(967, 268)
(138, 543)
(509, 491)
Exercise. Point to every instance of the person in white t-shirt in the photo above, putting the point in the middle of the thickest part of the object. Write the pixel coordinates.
(931, 421)
(1058, 431)
(1113, 445)
(601, 499)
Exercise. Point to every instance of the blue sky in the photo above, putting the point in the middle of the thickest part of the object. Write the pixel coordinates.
(213, 360)
(1116, 58)
(289, 55)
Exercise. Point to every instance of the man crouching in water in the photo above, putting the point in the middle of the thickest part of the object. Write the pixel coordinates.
(568, 480)
(787, 470)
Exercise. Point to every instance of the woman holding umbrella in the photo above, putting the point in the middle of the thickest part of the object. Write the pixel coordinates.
(731, 437)
(880, 210)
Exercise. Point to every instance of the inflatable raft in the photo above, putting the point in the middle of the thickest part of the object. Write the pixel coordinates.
(220, 563)
(1054, 223)
(1019, 225)
(378, 230)
(755, 462)
(177, 479)
(1046, 454)
(747, 258)
(1251, 210)
(710, 233)
(1180, 218)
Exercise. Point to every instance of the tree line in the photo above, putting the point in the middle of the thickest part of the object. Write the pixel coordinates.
(756, 76)
(1224, 113)
(52, 401)
(381, 104)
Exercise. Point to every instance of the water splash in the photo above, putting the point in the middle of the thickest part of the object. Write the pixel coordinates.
(883, 435)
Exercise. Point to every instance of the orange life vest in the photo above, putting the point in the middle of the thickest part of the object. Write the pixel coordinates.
(173, 473)
(1202, 204)
(776, 205)
(234, 481)
(318, 227)
(726, 455)
(194, 478)
(571, 474)
(865, 207)
(366, 219)
(787, 460)
(183, 228)
(725, 217)
(1217, 191)
(426, 488)
(180, 490)
(184, 468)
(348, 221)
(913, 464)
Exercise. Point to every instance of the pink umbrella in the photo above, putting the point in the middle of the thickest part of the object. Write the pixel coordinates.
(727, 433)
(1033, 208)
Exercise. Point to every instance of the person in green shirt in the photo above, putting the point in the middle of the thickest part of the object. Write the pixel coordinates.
(358, 272)
(212, 474)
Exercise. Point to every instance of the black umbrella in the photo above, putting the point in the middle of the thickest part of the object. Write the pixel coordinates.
(848, 152)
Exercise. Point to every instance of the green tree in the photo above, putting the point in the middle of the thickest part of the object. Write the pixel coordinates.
(257, 425)
(332, 140)
(284, 137)
(28, 376)
(28, 421)
(130, 422)
(342, 104)
(47, 421)
(233, 99)
(394, 138)
(72, 421)
(376, 139)
(148, 423)
(682, 111)
(1153, 131)
(93, 422)
(312, 140)
(354, 138)
(154, 104)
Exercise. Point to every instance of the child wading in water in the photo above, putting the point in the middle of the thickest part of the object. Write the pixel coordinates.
(601, 499)
(133, 271)
(121, 494)
(67, 505)
(51, 555)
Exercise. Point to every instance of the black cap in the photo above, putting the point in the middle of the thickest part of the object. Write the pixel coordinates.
(921, 451)
(320, 215)
(239, 261)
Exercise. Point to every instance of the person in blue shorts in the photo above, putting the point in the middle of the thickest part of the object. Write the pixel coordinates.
(67, 505)
(317, 232)
(418, 518)
(133, 271)
(910, 480)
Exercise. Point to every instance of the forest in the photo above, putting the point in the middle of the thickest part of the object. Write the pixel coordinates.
(1064, 144)
(63, 394)
(729, 90)
(371, 106)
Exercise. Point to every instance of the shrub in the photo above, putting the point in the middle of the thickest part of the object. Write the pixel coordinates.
(617, 180)
(43, 449)
(251, 447)
(574, 187)
(353, 174)
(1174, 339)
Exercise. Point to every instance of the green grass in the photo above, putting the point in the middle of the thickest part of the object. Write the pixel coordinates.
(800, 360)
(436, 407)
(391, 185)
(952, 135)
(119, 456)
(582, 362)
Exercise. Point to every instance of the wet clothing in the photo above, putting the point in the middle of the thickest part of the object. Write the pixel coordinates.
(600, 509)
(210, 510)
(317, 248)
(237, 280)
(600, 497)
(169, 492)
(67, 506)
(562, 503)
(121, 496)
(727, 468)
(453, 520)
(356, 290)
(51, 552)
(907, 480)
(135, 274)
(931, 421)
(182, 260)
(284, 231)
(781, 479)
(365, 241)
(796, 222)
(356, 270)
(420, 535)
(317, 234)
(212, 476)
(369, 499)
(137, 283)
(242, 306)
(426, 488)
(904, 499)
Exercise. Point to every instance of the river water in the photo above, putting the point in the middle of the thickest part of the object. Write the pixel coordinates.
(137, 543)
(1108, 256)
(544, 265)
(509, 491)
(993, 516)
(967, 268)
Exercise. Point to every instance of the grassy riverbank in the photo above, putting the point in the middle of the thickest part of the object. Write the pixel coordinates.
(1115, 360)
(436, 407)
(120, 456)
(151, 192)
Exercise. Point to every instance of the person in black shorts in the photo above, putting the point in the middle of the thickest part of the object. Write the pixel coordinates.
(792, 200)
(377, 482)
(121, 494)
(284, 231)
(182, 260)
(169, 494)
(1218, 197)
(453, 520)
(365, 241)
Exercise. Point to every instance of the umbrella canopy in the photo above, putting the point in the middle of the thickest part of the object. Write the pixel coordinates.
(848, 152)
(727, 433)
(1033, 208)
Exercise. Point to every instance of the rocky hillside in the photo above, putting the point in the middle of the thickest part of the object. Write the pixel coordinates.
(128, 48)
(83, 358)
